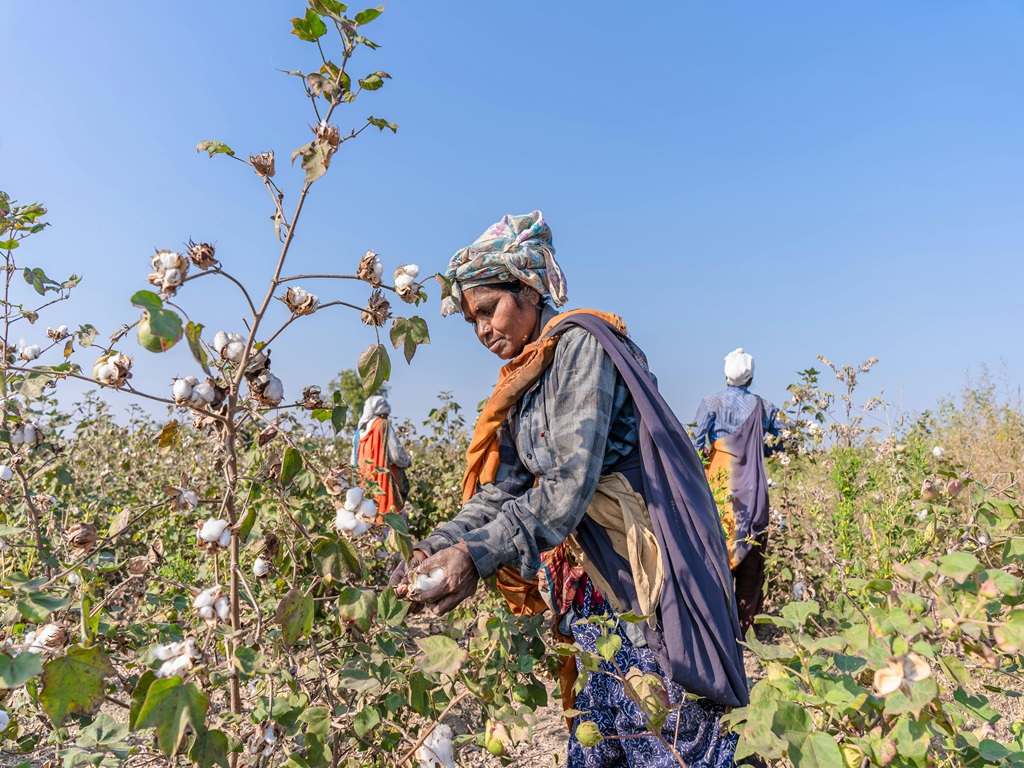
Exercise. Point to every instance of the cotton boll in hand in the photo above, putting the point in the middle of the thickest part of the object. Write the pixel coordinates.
(420, 582)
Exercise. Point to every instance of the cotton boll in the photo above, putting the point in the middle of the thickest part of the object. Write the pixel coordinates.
(30, 434)
(437, 750)
(5, 473)
(5, 720)
(192, 648)
(189, 498)
(30, 352)
(260, 568)
(361, 527)
(204, 392)
(207, 597)
(368, 510)
(274, 391)
(212, 529)
(344, 520)
(172, 277)
(421, 582)
(225, 539)
(206, 612)
(177, 666)
(220, 340)
(234, 351)
(182, 389)
(169, 651)
(353, 498)
(404, 282)
(938, 451)
(412, 270)
(222, 607)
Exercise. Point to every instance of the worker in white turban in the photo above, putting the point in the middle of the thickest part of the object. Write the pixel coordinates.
(730, 432)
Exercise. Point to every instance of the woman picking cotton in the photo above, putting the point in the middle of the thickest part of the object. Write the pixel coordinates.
(380, 455)
(583, 491)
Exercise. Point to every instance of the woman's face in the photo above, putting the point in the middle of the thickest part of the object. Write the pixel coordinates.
(502, 325)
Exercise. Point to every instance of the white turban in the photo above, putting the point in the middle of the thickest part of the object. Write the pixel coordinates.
(739, 368)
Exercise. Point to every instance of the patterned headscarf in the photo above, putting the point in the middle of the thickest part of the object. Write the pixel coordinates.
(515, 248)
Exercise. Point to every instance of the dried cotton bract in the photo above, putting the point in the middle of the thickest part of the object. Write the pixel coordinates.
(112, 370)
(371, 269)
(263, 164)
(377, 311)
(80, 537)
(311, 398)
(169, 271)
(328, 133)
(300, 302)
(202, 255)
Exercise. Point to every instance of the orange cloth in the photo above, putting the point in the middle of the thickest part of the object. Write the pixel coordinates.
(717, 469)
(373, 457)
(482, 461)
(516, 376)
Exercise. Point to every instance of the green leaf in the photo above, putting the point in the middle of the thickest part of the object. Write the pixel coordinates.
(309, 27)
(37, 606)
(819, 750)
(73, 683)
(958, 566)
(321, 414)
(441, 655)
(39, 281)
(16, 671)
(334, 559)
(193, 331)
(331, 8)
(380, 123)
(317, 720)
(338, 414)
(295, 615)
(171, 707)
(608, 646)
(246, 524)
(792, 722)
(374, 368)
(290, 466)
(209, 749)
(357, 606)
(374, 80)
(365, 17)
(316, 159)
(104, 732)
(159, 330)
(215, 147)
(139, 698)
(799, 612)
(365, 721)
(976, 706)
(409, 333)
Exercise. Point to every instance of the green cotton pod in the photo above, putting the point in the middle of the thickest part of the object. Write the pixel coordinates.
(159, 330)
(588, 734)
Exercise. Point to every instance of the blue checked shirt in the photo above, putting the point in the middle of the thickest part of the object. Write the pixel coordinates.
(723, 413)
(566, 431)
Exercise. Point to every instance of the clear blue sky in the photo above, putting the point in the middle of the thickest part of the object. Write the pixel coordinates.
(797, 178)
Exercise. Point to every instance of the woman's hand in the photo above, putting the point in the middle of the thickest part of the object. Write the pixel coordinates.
(460, 580)
(398, 576)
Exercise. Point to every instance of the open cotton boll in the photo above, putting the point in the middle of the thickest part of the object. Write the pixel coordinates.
(207, 597)
(169, 651)
(177, 666)
(404, 282)
(212, 529)
(222, 607)
(344, 520)
(189, 498)
(353, 498)
(274, 391)
(361, 527)
(204, 391)
(424, 582)
(30, 434)
(30, 352)
(5, 473)
(234, 351)
(368, 510)
(182, 389)
(206, 612)
(437, 750)
(220, 340)
(412, 270)
(5, 720)
(225, 539)
(938, 451)
(260, 568)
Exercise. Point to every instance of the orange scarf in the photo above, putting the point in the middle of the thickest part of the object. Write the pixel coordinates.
(516, 376)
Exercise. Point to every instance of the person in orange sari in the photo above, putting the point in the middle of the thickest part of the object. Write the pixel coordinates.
(380, 455)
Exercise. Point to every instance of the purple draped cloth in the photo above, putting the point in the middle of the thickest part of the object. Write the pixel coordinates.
(698, 642)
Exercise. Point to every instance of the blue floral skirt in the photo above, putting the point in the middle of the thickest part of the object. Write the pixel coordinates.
(693, 726)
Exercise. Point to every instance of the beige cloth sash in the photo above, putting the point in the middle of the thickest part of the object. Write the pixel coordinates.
(621, 511)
